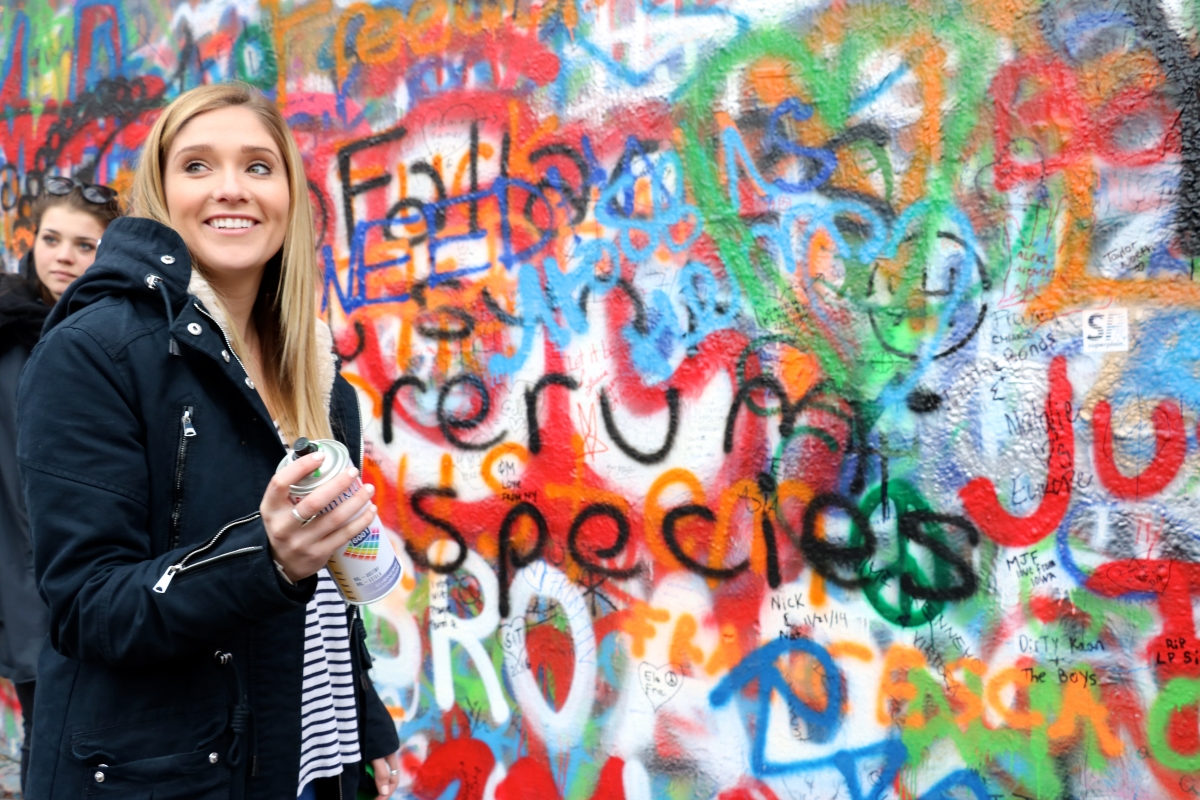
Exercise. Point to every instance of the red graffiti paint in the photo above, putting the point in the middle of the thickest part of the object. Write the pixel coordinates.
(531, 778)
(979, 496)
(1038, 103)
(12, 87)
(1170, 449)
(8, 696)
(611, 785)
(670, 735)
(749, 789)
(1049, 609)
(1175, 583)
(528, 778)
(1128, 715)
(1040, 108)
(551, 659)
(462, 759)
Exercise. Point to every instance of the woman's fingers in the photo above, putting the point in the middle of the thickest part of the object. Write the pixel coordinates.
(295, 471)
(303, 535)
(332, 503)
(329, 494)
(338, 537)
(387, 775)
(335, 513)
(301, 553)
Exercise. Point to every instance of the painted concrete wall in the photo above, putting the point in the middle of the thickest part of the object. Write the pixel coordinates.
(774, 399)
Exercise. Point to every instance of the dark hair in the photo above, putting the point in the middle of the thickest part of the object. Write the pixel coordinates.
(104, 213)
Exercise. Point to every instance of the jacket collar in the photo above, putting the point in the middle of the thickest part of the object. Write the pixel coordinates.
(131, 251)
(202, 290)
(135, 249)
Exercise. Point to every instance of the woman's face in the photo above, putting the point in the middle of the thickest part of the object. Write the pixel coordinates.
(227, 193)
(65, 247)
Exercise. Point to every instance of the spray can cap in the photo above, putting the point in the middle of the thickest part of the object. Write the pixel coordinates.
(303, 447)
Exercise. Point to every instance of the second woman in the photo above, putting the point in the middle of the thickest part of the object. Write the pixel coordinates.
(68, 219)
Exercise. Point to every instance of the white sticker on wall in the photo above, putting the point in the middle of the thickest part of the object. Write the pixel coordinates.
(1106, 330)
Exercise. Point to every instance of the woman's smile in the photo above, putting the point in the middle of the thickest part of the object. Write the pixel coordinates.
(231, 225)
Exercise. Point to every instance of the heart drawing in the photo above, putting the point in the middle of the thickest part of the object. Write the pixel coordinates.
(659, 683)
(512, 639)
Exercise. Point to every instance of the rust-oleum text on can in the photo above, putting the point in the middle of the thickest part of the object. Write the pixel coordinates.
(365, 569)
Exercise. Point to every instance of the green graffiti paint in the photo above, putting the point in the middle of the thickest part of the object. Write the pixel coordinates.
(254, 54)
(882, 582)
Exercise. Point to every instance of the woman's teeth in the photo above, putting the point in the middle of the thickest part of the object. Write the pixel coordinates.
(229, 222)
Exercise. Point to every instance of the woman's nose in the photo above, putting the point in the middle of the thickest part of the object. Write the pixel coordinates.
(65, 253)
(231, 187)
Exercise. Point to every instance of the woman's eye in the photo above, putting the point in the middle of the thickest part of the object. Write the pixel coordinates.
(193, 166)
(86, 247)
(260, 168)
(50, 240)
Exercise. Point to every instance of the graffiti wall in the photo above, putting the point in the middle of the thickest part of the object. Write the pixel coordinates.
(775, 400)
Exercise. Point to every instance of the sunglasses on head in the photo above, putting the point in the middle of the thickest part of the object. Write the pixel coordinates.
(92, 192)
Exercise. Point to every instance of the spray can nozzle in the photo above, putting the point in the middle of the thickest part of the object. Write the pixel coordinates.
(303, 447)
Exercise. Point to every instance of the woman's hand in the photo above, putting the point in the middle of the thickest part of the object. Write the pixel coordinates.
(302, 548)
(387, 775)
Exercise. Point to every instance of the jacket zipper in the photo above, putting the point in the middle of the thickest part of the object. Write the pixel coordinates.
(228, 344)
(187, 431)
(234, 353)
(183, 566)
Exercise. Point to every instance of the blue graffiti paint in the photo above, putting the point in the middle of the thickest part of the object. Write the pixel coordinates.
(760, 667)
(616, 209)
(651, 352)
(800, 112)
(965, 780)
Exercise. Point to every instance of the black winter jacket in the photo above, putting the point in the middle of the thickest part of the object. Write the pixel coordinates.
(136, 460)
(22, 613)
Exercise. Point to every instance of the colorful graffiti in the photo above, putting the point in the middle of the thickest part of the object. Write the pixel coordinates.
(771, 399)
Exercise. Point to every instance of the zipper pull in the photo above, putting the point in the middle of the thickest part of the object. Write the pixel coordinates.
(166, 579)
(188, 430)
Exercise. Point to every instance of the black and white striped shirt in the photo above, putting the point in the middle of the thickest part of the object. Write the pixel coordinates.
(328, 718)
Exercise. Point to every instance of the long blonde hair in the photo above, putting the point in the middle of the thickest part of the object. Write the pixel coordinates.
(285, 315)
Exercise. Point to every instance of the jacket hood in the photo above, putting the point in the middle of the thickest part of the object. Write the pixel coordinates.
(131, 254)
(131, 250)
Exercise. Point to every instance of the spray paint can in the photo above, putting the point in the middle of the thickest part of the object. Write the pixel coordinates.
(366, 569)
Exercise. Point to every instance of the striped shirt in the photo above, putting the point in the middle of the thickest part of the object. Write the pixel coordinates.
(328, 717)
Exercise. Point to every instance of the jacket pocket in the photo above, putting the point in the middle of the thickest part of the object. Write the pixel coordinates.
(185, 776)
(175, 757)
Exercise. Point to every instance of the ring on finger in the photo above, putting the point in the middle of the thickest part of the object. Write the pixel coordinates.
(301, 519)
(393, 772)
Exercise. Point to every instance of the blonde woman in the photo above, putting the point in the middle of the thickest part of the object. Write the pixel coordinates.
(197, 648)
